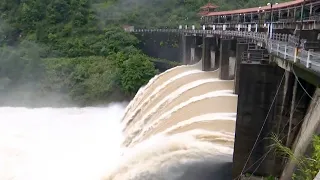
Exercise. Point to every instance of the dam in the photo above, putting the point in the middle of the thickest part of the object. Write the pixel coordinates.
(244, 77)
(182, 119)
(264, 81)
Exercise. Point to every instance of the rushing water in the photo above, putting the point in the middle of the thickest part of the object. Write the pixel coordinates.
(180, 126)
(64, 144)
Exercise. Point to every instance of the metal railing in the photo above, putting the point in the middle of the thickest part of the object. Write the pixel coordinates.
(282, 37)
(282, 45)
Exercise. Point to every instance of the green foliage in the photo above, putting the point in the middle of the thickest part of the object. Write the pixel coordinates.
(271, 178)
(84, 79)
(308, 167)
(163, 13)
(61, 47)
(77, 47)
(134, 70)
(90, 79)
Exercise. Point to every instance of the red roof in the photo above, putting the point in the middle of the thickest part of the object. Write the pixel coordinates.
(255, 9)
(209, 5)
(203, 13)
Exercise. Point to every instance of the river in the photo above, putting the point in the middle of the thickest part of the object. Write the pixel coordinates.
(59, 143)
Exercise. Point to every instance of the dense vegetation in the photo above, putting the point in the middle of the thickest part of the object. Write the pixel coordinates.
(308, 166)
(76, 51)
(59, 48)
(164, 13)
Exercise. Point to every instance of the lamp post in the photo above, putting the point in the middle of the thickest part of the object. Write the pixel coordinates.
(271, 23)
(301, 23)
(259, 18)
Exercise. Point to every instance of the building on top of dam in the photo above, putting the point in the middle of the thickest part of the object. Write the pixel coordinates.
(282, 15)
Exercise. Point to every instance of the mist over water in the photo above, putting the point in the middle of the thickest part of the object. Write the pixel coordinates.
(179, 126)
(59, 143)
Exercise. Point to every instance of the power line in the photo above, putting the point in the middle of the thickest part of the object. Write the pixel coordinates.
(262, 157)
(273, 147)
(265, 120)
(297, 78)
(266, 154)
(305, 92)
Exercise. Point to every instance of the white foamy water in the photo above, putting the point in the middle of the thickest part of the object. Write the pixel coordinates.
(180, 126)
(63, 144)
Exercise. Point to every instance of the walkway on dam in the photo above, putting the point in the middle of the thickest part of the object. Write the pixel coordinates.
(281, 45)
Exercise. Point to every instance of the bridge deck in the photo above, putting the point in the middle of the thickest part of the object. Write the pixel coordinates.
(281, 45)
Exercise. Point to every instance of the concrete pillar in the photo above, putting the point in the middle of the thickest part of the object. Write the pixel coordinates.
(241, 47)
(232, 58)
(198, 49)
(213, 58)
(193, 45)
(309, 127)
(188, 49)
(284, 101)
(206, 53)
(187, 42)
(198, 54)
(192, 54)
(184, 50)
(224, 59)
(288, 142)
(215, 54)
(258, 86)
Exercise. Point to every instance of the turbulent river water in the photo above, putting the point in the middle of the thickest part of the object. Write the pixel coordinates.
(180, 126)
(64, 144)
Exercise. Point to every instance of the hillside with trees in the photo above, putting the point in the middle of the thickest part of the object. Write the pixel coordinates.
(76, 52)
(164, 13)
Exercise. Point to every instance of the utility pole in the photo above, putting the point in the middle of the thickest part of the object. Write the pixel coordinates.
(271, 23)
(301, 23)
(259, 20)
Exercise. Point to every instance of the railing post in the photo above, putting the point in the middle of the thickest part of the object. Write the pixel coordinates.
(308, 59)
(278, 48)
(295, 55)
(285, 52)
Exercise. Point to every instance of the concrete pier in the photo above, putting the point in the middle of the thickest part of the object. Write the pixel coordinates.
(189, 45)
(232, 58)
(206, 53)
(198, 50)
(216, 50)
(189, 40)
(310, 126)
(195, 49)
(258, 85)
(241, 48)
(198, 54)
(224, 59)
(193, 45)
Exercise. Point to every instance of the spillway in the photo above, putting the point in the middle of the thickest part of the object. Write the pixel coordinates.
(180, 125)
